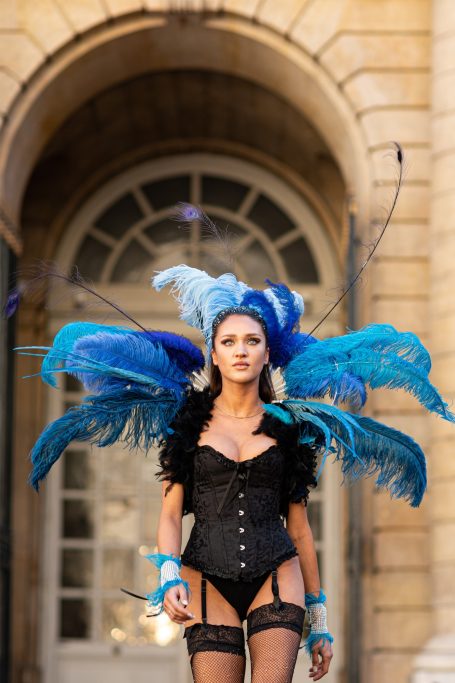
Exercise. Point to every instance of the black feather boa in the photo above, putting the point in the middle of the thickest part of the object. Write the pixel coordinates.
(176, 456)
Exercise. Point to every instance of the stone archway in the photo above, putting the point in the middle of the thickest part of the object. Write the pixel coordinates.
(121, 51)
(146, 44)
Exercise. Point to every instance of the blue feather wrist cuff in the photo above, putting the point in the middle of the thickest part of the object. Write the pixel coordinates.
(156, 598)
(317, 613)
(169, 567)
(311, 599)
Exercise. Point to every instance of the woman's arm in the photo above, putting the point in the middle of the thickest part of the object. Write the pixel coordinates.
(169, 537)
(169, 532)
(300, 532)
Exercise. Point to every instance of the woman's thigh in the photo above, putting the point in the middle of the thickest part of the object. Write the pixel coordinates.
(290, 585)
(219, 610)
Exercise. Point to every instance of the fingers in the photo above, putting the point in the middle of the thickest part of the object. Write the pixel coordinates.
(320, 668)
(183, 594)
(175, 607)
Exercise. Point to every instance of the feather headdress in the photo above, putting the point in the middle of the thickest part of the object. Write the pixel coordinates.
(202, 298)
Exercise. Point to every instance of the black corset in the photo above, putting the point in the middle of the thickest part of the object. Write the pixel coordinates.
(238, 532)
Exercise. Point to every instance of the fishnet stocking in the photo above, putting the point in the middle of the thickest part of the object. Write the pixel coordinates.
(217, 667)
(217, 653)
(274, 639)
(273, 655)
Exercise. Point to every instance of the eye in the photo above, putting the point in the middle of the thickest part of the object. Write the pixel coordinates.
(254, 340)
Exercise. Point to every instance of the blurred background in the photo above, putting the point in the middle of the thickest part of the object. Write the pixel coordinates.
(275, 116)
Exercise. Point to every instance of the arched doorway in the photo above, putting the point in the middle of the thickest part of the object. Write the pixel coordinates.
(102, 507)
(239, 67)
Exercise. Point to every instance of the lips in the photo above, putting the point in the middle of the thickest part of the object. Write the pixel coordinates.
(241, 365)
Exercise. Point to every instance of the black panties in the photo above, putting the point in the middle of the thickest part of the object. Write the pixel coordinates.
(239, 594)
(217, 652)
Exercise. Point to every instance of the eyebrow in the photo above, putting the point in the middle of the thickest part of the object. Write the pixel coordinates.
(248, 334)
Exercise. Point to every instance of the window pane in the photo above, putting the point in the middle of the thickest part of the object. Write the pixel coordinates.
(214, 257)
(166, 231)
(270, 218)
(299, 262)
(91, 258)
(118, 620)
(133, 264)
(120, 520)
(222, 192)
(75, 618)
(173, 256)
(168, 192)
(77, 568)
(78, 470)
(78, 519)
(257, 264)
(119, 216)
(118, 568)
(120, 469)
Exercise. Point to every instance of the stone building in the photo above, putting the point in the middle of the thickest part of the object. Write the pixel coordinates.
(277, 117)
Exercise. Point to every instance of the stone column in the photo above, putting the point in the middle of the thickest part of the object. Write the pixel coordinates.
(436, 662)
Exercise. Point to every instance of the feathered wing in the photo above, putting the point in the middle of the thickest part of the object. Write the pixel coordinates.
(65, 339)
(375, 356)
(135, 418)
(364, 446)
(139, 381)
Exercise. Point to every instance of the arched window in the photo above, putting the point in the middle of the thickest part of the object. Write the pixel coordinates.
(104, 503)
(126, 232)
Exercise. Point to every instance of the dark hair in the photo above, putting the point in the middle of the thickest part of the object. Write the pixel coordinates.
(266, 390)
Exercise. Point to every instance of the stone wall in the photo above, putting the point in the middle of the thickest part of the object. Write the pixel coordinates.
(372, 59)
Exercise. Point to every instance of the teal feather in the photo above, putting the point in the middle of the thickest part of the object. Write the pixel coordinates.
(317, 373)
(64, 341)
(134, 417)
(107, 360)
(319, 639)
(275, 410)
(366, 447)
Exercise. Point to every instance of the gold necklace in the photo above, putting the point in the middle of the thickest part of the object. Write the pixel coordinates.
(239, 417)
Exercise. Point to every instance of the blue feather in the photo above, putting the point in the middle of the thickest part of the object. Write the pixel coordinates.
(104, 360)
(139, 360)
(181, 351)
(290, 304)
(275, 410)
(134, 417)
(199, 295)
(65, 340)
(188, 357)
(365, 447)
(341, 367)
(397, 458)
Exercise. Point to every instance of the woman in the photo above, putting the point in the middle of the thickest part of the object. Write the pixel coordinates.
(240, 383)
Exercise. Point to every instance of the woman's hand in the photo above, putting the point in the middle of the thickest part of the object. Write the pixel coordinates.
(320, 668)
(175, 604)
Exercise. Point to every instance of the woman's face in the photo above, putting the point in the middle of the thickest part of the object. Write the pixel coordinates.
(239, 348)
